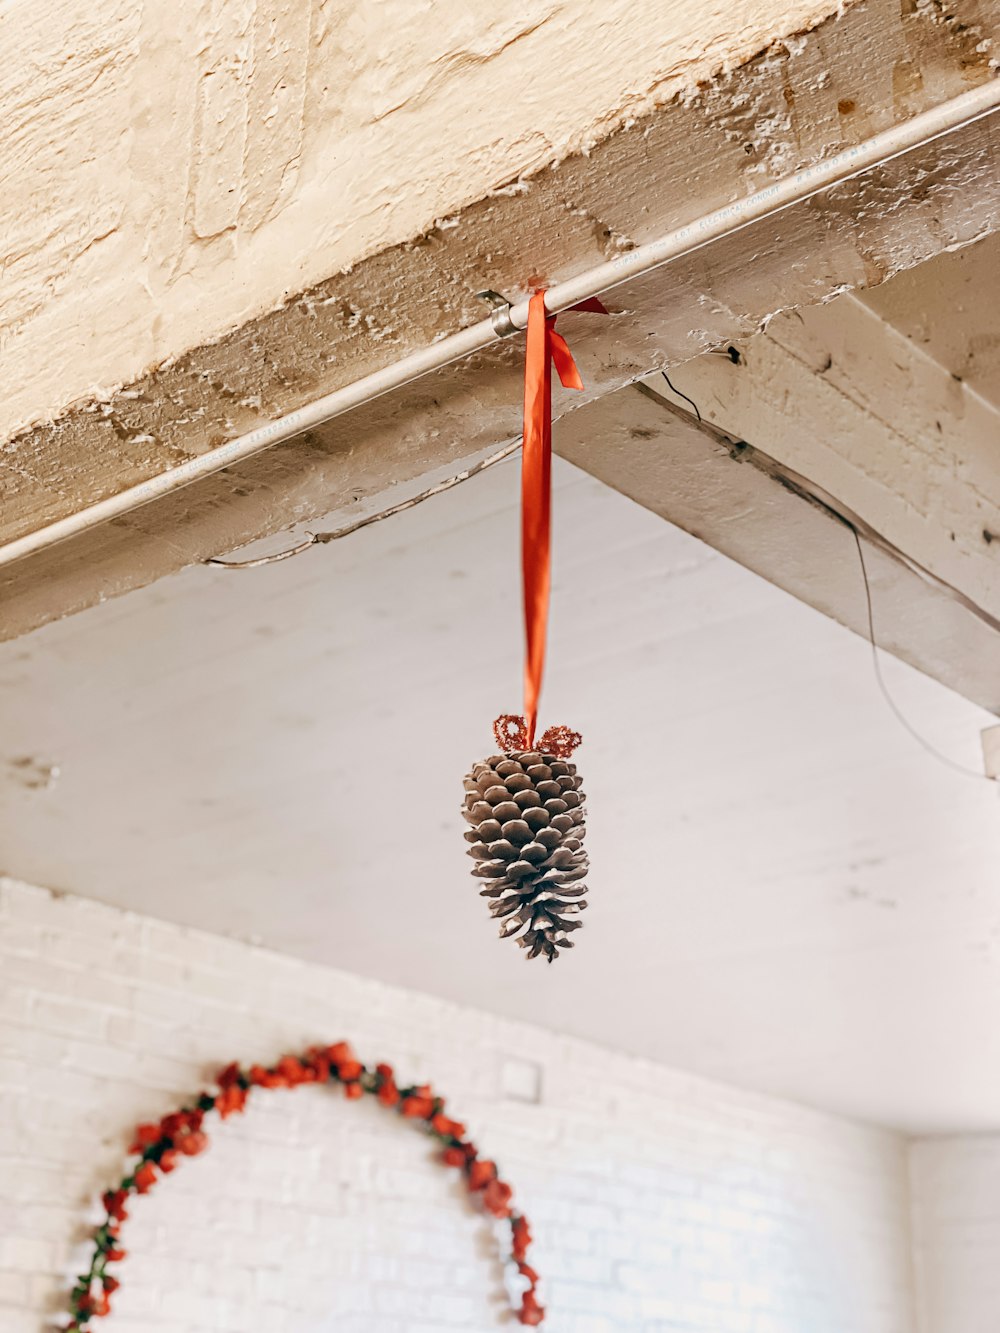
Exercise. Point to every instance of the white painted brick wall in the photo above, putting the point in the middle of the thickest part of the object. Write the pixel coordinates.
(660, 1201)
(956, 1232)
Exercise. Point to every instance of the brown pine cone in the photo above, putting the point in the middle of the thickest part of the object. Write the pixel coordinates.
(527, 818)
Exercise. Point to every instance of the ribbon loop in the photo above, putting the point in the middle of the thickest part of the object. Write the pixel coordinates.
(545, 348)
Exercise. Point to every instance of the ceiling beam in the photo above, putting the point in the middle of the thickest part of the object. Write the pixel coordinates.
(660, 173)
(832, 422)
(840, 395)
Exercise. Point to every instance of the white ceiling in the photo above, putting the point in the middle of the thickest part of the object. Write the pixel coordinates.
(787, 892)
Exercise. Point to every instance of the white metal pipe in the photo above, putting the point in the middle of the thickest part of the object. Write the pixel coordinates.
(914, 133)
(795, 189)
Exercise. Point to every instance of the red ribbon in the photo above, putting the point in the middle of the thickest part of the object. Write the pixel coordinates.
(545, 349)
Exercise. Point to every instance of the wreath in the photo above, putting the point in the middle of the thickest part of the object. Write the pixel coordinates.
(161, 1147)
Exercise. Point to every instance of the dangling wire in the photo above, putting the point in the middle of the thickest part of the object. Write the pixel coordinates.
(321, 538)
(897, 713)
(697, 412)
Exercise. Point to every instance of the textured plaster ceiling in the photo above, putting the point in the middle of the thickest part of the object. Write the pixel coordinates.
(787, 892)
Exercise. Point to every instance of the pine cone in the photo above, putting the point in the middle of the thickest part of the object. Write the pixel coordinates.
(527, 817)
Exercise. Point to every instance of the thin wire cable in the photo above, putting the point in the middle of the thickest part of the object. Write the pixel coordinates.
(697, 412)
(321, 538)
(900, 717)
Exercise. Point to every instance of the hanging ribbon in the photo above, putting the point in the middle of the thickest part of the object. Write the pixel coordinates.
(545, 348)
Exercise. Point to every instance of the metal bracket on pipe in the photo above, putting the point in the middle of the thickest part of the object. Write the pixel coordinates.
(503, 325)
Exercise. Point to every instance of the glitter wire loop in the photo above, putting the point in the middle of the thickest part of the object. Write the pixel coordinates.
(511, 732)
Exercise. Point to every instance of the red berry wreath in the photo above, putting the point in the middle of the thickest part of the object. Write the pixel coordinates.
(161, 1147)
